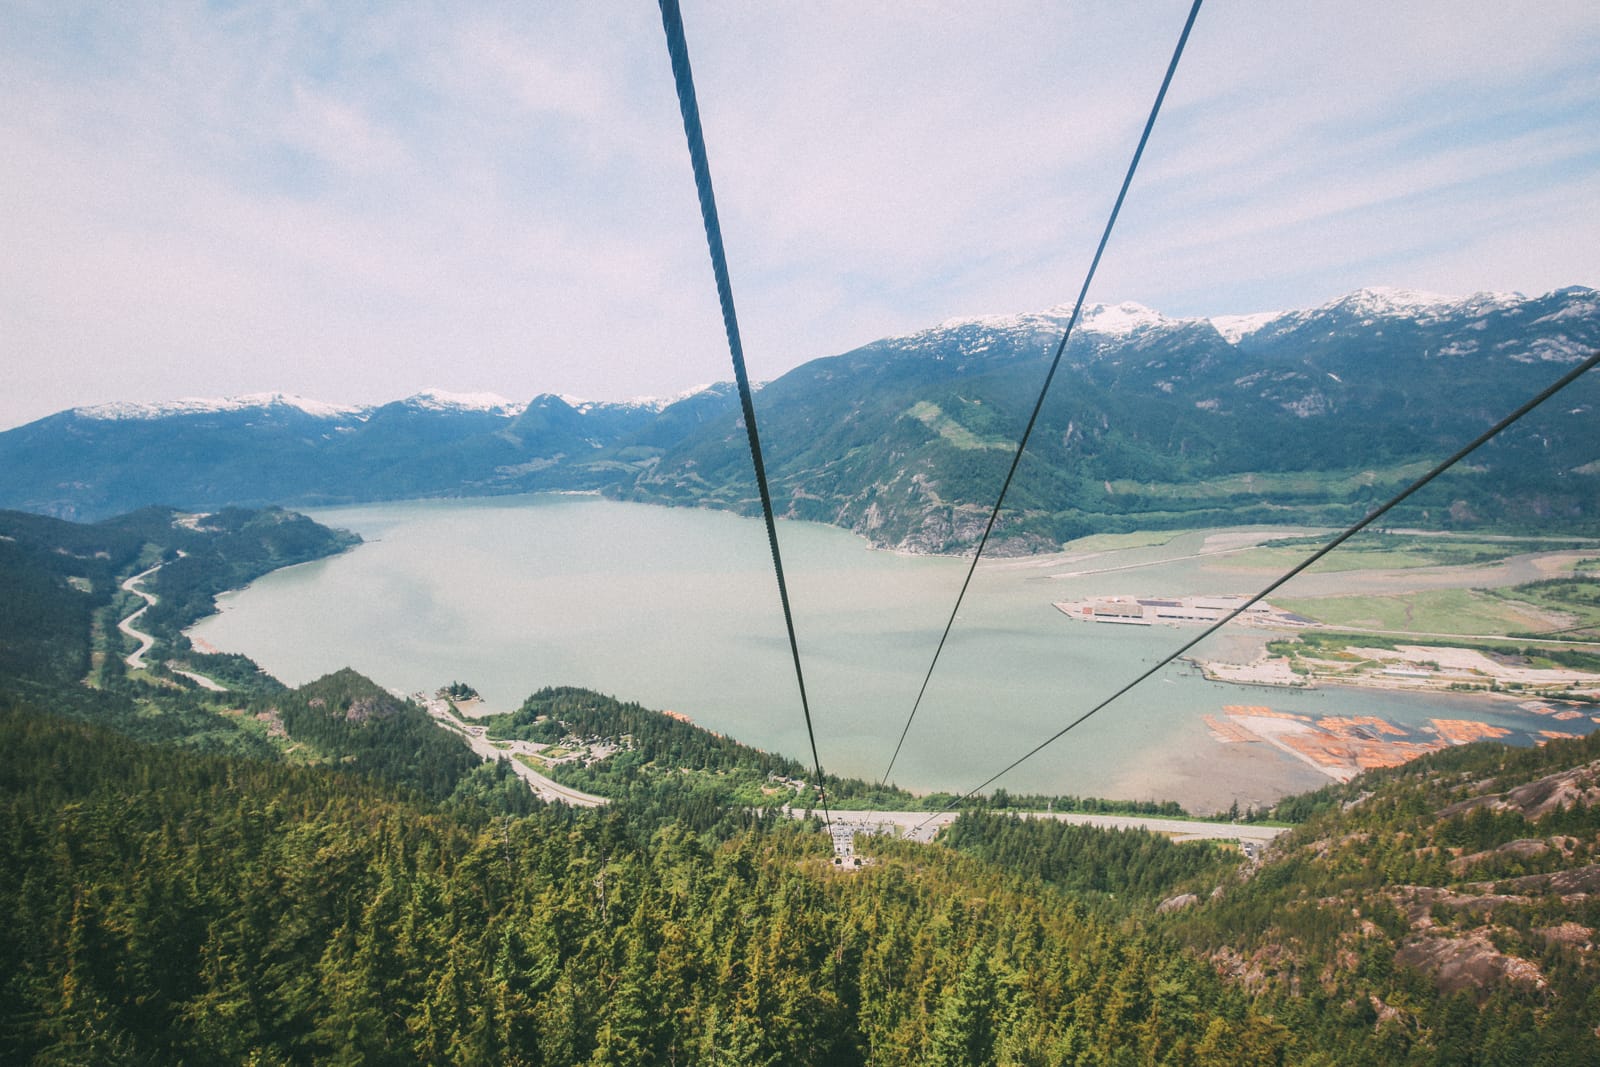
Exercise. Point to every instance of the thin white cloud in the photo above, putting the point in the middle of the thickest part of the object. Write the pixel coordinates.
(354, 202)
(342, 135)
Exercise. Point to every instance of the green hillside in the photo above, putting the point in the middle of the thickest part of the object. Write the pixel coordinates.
(248, 911)
(1314, 420)
(1442, 912)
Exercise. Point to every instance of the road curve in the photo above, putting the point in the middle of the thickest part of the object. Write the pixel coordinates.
(476, 739)
(135, 659)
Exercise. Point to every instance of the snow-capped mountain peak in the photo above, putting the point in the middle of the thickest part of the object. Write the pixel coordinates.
(1113, 321)
(443, 400)
(1385, 301)
(1369, 306)
(1235, 328)
(661, 403)
(641, 403)
(194, 405)
(427, 400)
(1381, 302)
(1120, 320)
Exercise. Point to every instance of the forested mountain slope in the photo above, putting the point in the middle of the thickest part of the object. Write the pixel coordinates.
(251, 911)
(1444, 911)
(60, 582)
(1307, 416)
(171, 905)
(92, 463)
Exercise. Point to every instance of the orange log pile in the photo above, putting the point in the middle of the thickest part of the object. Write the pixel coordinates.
(1261, 711)
(1229, 732)
(1465, 731)
(1344, 725)
(1557, 735)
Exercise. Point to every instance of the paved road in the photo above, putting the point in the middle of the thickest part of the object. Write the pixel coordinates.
(1422, 635)
(922, 825)
(202, 681)
(1088, 571)
(476, 739)
(135, 659)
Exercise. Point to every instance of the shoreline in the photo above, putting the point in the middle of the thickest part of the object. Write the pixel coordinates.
(521, 637)
(1325, 684)
(1441, 670)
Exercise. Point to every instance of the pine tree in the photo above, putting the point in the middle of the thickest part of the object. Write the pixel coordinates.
(963, 1029)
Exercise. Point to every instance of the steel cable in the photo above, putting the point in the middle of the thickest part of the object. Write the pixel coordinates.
(678, 49)
(1022, 442)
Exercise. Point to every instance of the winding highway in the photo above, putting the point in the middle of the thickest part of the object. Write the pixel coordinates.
(135, 659)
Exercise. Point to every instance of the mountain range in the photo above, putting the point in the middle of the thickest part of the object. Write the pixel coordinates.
(1306, 416)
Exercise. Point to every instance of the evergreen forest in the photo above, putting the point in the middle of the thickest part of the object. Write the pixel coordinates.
(257, 874)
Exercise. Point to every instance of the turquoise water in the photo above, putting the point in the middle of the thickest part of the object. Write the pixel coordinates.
(677, 608)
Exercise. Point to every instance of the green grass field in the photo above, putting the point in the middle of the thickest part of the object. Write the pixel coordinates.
(1440, 611)
(1538, 608)
(1275, 485)
(1384, 551)
(1578, 597)
(934, 418)
(1117, 541)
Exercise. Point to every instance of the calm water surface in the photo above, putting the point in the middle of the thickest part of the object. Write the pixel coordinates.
(677, 608)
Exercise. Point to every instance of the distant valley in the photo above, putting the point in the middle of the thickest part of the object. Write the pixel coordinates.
(1153, 423)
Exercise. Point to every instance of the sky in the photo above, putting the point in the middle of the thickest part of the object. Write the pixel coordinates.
(354, 202)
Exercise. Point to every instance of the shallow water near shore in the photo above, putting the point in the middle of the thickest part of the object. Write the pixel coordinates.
(677, 608)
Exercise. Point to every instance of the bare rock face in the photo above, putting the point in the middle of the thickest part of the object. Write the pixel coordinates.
(1266, 967)
(1556, 792)
(943, 528)
(1177, 903)
(1417, 902)
(1467, 963)
(1568, 933)
(274, 720)
(1535, 799)
(1523, 849)
(366, 709)
(1575, 882)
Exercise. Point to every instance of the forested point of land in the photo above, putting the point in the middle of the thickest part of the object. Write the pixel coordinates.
(663, 755)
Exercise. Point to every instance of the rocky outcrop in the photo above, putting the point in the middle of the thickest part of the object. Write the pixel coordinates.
(1535, 799)
(1467, 963)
